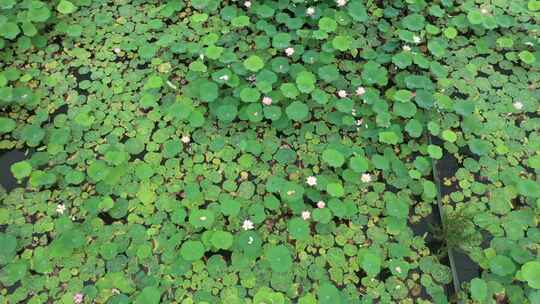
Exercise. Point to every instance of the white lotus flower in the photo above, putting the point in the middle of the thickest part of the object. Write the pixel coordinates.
(289, 51)
(366, 178)
(341, 2)
(61, 208)
(311, 180)
(342, 93)
(247, 225)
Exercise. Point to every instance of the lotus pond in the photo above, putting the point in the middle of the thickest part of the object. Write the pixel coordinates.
(289, 151)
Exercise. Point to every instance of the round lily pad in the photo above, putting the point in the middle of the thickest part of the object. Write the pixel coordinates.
(333, 158)
(192, 250)
(531, 273)
(279, 258)
(297, 111)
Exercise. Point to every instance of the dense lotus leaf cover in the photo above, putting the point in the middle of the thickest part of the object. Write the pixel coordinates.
(286, 151)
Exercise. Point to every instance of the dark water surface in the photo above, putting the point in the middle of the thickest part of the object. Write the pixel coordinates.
(7, 158)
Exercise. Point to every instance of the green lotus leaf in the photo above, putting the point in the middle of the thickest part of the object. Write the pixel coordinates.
(449, 135)
(388, 137)
(148, 51)
(475, 17)
(149, 295)
(335, 189)
(290, 191)
(222, 239)
(328, 294)
(374, 73)
(21, 169)
(342, 43)
(192, 250)
(414, 22)
(266, 295)
(305, 81)
(297, 111)
(397, 208)
(154, 82)
(14, 272)
(429, 189)
(357, 11)
(479, 289)
(333, 158)
(502, 265)
(530, 271)
(281, 40)
(529, 188)
(32, 134)
(208, 91)
(201, 218)
(328, 73)
(480, 146)
(298, 229)
(414, 128)
(66, 7)
(8, 249)
(250, 95)
(322, 215)
(359, 164)
(434, 151)
(279, 258)
(254, 63)
(370, 261)
(6, 125)
(98, 170)
(327, 24)
(289, 90)
(9, 30)
(403, 59)
(527, 57)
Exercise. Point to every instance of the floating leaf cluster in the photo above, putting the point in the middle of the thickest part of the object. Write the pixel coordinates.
(286, 151)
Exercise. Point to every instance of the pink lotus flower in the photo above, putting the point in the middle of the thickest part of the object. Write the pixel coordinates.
(78, 298)
(267, 101)
(320, 204)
